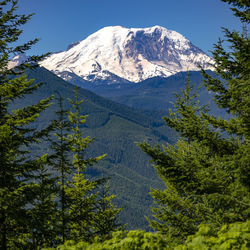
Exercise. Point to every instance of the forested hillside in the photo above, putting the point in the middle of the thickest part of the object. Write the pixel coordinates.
(154, 93)
(116, 129)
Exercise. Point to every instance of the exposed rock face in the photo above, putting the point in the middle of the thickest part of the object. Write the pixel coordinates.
(115, 53)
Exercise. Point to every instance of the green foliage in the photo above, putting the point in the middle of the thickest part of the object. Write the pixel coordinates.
(131, 177)
(206, 173)
(106, 220)
(77, 142)
(232, 236)
(30, 216)
(42, 216)
(18, 170)
(80, 191)
(240, 9)
(61, 164)
(124, 240)
(84, 212)
(81, 209)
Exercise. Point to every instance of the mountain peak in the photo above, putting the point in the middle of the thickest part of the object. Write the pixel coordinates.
(132, 54)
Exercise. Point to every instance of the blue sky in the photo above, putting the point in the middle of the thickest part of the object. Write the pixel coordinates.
(58, 23)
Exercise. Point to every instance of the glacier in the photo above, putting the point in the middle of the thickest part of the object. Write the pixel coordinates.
(132, 54)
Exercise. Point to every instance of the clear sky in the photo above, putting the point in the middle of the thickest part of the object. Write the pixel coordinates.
(59, 23)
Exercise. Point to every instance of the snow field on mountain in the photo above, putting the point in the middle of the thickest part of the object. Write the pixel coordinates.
(133, 54)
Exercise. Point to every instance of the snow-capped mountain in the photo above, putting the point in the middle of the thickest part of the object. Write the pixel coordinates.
(131, 54)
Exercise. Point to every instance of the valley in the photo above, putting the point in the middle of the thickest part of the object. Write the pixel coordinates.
(116, 129)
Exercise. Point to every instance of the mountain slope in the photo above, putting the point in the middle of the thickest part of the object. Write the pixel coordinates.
(155, 93)
(116, 129)
(115, 54)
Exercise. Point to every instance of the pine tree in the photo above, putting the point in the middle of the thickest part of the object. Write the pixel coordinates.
(84, 210)
(80, 191)
(60, 163)
(105, 220)
(43, 213)
(17, 167)
(207, 172)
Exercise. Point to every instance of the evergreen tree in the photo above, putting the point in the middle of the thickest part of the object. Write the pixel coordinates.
(105, 221)
(207, 172)
(43, 213)
(80, 190)
(18, 170)
(60, 163)
(84, 211)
